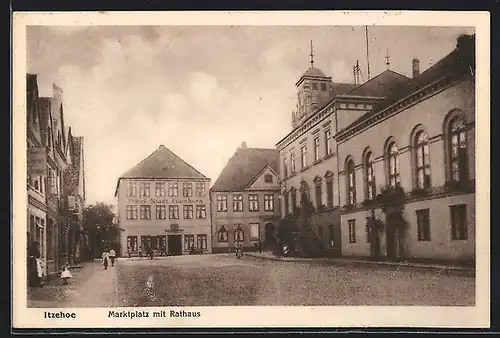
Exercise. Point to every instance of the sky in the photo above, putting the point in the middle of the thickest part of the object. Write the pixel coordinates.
(201, 91)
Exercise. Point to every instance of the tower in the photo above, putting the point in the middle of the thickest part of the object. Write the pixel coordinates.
(314, 89)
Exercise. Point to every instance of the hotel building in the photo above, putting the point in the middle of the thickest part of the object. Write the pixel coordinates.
(164, 202)
(244, 200)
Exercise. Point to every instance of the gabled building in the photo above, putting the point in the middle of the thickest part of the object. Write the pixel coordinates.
(163, 202)
(244, 200)
(74, 188)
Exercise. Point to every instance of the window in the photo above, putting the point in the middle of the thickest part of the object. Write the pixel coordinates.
(268, 178)
(187, 189)
(131, 188)
(369, 176)
(292, 162)
(458, 149)
(254, 231)
(173, 212)
(314, 86)
(160, 189)
(200, 189)
(422, 160)
(316, 149)
(131, 211)
(458, 222)
(331, 241)
(352, 230)
(161, 211)
(188, 242)
(144, 189)
(323, 87)
(201, 242)
(285, 168)
(303, 157)
(328, 143)
(320, 232)
(162, 242)
(253, 202)
(201, 211)
(423, 225)
(239, 235)
(318, 193)
(268, 202)
(238, 202)
(145, 211)
(221, 203)
(188, 211)
(222, 234)
(351, 182)
(329, 192)
(285, 202)
(393, 158)
(145, 242)
(132, 243)
(173, 189)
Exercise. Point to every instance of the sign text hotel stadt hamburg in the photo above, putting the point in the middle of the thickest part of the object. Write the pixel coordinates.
(165, 201)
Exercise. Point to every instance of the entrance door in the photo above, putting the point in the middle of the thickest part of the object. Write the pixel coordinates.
(269, 233)
(175, 244)
(391, 237)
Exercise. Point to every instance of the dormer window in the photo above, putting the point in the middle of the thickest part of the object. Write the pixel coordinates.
(268, 178)
(314, 86)
(323, 87)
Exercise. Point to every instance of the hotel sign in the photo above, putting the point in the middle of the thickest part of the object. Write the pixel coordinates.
(165, 201)
(37, 161)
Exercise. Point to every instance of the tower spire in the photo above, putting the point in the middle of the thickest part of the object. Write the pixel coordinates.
(312, 55)
(387, 62)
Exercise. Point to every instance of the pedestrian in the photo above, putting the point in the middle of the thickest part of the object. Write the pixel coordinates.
(128, 252)
(163, 250)
(112, 256)
(65, 274)
(259, 247)
(140, 252)
(192, 250)
(105, 259)
(34, 265)
(150, 253)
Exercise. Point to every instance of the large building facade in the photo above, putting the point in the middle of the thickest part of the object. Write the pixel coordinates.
(163, 202)
(244, 200)
(393, 150)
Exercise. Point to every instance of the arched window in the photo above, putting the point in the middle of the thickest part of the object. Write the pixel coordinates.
(351, 182)
(222, 234)
(239, 235)
(423, 169)
(369, 176)
(393, 164)
(458, 149)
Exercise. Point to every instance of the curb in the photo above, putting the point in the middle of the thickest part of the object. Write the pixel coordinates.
(372, 263)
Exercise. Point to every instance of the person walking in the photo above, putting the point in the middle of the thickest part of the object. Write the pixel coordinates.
(65, 274)
(150, 252)
(128, 252)
(34, 265)
(112, 256)
(105, 259)
(140, 252)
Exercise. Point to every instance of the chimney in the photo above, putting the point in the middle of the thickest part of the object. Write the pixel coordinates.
(243, 145)
(415, 67)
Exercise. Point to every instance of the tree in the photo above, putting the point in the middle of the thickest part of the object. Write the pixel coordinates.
(98, 221)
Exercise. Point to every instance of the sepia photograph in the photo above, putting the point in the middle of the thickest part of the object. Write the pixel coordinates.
(175, 167)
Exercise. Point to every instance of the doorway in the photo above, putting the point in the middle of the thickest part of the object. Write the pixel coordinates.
(175, 245)
(269, 234)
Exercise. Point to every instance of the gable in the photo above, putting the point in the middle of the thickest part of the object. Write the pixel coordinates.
(261, 181)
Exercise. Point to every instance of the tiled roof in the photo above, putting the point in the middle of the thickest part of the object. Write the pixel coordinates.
(244, 166)
(382, 85)
(163, 163)
(313, 71)
(457, 62)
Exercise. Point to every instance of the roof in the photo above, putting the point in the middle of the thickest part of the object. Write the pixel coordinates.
(313, 71)
(244, 166)
(458, 61)
(163, 163)
(381, 85)
(342, 88)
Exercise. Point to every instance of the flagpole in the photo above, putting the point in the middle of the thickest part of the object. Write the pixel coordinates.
(367, 54)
